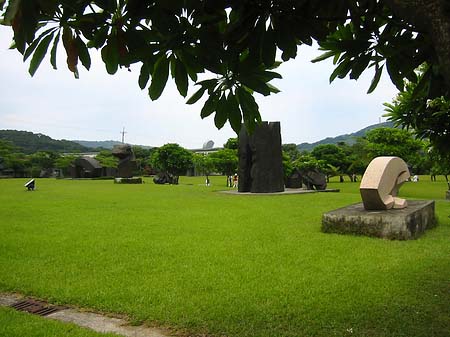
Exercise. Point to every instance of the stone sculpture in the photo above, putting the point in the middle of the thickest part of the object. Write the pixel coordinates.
(85, 167)
(30, 185)
(165, 178)
(294, 180)
(313, 179)
(381, 182)
(127, 160)
(260, 159)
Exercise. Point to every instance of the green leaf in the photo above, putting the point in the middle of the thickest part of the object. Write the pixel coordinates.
(255, 84)
(210, 105)
(54, 49)
(110, 55)
(191, 63)
(99, 38)
(234, 113)
(83, 53)
(144, 76)
(376, 78)
(39, 54)
(181, 78)
(269, 48)
(196, 96)
(359, 66)
(71, 50)
(11, 11)
(273, 88)
(341, 70)
(394, 73)
(221, 113)
(107, 5)
(209, 84)
(249, 108)
(269, 75)
(172, 61)
(35, 43)
(159, 77)
(324, 56)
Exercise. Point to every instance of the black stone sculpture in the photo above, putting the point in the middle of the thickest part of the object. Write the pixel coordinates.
(165, 178)
(127, 160)
(260, 159)
(295, 180)
(85, 167)
(314, 179)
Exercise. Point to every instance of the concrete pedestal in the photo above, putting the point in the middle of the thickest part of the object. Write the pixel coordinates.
(398, 224)
(133, 180)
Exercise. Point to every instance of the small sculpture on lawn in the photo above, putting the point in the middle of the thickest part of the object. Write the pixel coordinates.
(30, 185)
(165, 178)
(381, 182)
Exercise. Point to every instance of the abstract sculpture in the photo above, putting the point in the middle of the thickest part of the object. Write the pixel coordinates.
(127, 160)
(260, 159)
(381, 182)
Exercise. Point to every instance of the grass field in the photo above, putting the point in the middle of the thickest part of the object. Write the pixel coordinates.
(199, 261)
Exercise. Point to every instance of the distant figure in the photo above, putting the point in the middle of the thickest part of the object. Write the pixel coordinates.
(415, 179)
(207, 181)
(235, 180)
(230, 181)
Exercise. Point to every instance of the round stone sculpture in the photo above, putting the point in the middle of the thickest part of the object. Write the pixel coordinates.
(381, 182)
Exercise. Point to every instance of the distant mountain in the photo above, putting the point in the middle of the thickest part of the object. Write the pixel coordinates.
(347, 138)
(29, 142)
(105, 144)
(92, 144)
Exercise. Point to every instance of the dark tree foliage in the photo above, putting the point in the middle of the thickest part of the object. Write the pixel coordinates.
(232, 144)
(172, 159)
(429, 118)
(237, 41)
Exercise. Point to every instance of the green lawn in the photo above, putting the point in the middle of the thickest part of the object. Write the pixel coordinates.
(200, 261)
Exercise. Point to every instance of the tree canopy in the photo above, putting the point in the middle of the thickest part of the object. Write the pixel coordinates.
(429, 118)
(237, 41)
(172, 159)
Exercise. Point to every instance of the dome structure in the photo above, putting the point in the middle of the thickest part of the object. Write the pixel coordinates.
(208, 145)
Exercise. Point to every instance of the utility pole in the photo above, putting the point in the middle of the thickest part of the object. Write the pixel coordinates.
(123, 134)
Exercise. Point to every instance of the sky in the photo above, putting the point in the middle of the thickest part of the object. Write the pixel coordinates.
(97, 106)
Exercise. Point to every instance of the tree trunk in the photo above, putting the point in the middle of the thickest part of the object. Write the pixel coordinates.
(433, 17)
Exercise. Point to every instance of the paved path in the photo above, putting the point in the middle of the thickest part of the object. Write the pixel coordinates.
(93, 321)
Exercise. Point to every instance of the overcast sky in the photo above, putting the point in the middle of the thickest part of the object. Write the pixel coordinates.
(97, 106)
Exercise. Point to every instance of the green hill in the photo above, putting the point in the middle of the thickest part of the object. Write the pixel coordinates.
(347, 138)
(29, 142)
(93, 144)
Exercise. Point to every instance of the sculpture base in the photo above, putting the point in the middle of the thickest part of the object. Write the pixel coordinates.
(395, 224)
(132, 180)
(447, 195)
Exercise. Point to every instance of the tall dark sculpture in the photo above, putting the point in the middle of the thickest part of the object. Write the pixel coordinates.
(260, 159)
(127, 160)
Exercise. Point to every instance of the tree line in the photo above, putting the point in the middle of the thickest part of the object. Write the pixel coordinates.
(346, 161)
